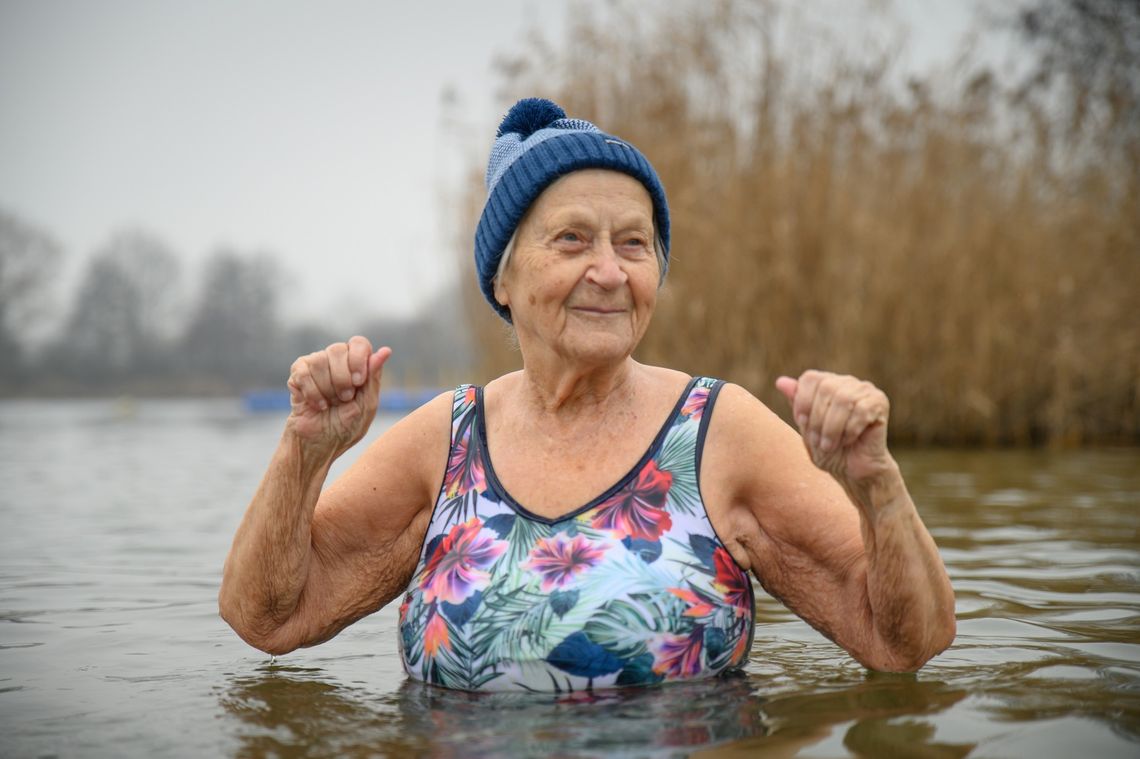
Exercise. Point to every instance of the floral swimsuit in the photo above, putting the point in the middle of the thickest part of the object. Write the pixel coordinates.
(633, 588)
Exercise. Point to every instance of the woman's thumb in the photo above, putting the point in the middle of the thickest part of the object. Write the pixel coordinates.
(787, 386)
(376, 364)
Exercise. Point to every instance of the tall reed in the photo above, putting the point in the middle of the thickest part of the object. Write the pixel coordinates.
(948, 249)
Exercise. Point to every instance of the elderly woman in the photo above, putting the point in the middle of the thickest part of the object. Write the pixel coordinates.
(588, 521)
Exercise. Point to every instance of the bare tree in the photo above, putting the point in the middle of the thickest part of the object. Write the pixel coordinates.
(1088, 64)
(155, 271)
(29, 259)
(120, 322)
(233, 331)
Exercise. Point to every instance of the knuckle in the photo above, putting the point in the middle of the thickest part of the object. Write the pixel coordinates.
(314, 360)
(829, 385)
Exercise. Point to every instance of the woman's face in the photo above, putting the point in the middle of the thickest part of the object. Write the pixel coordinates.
(582, 280)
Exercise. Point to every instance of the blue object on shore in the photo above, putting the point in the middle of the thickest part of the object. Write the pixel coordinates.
(391, 399)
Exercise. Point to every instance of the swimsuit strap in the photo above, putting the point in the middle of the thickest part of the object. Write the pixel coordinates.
(462, 405)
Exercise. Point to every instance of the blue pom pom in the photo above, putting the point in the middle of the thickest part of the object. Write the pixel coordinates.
(529, 115)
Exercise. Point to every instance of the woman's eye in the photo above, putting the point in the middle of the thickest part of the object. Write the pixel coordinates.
(570, 237)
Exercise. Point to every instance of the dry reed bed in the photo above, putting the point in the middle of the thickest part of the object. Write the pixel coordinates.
(845, 221)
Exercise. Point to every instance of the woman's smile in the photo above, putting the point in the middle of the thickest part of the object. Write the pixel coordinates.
(600, 310)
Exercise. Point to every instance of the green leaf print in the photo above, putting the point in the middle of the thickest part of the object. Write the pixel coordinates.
(623, 627)
(625, 570)
(716, 643)
(580, 525)
(523, 536)
(412, 631)
(461, 665)
(512, 626)
(676, 457)
(639, 671)
(459, 509)
(562, 601)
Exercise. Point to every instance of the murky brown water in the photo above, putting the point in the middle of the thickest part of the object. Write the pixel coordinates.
(115, 518)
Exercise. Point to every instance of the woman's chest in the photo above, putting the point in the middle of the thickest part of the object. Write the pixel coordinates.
(552, 476)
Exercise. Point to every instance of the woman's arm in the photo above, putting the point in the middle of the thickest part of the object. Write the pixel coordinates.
(829, 527)
(303, 564)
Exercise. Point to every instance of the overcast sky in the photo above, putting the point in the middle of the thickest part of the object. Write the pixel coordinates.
(310, 129)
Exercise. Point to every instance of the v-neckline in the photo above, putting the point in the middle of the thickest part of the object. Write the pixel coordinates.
(483, 451)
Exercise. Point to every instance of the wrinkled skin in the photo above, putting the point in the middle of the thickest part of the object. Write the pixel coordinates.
(821, 516)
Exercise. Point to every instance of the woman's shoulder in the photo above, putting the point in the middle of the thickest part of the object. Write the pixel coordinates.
(743, 409)
(504, 382)
(662, 382)
(747, 436)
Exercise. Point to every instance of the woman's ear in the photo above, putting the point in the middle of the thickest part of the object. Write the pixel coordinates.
(501, 293)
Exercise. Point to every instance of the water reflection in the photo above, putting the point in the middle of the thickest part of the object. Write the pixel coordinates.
(882, 716)
(299, 712)
(294, 712)
(662, 721)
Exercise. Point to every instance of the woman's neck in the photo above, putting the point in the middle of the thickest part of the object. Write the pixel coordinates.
(567, 390)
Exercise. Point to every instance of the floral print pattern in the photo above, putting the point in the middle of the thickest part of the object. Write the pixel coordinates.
(634, 588)
(695, 403)
(636, 511)
(733, 584)
(457, 566)
(558, 559)
(678, 655)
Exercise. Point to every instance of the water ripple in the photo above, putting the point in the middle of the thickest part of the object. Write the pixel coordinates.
(110, 641)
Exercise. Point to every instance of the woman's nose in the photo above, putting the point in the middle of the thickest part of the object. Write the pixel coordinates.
(605, 270)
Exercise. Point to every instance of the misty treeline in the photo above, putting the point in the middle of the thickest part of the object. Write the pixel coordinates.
(130, 329)
(968, 239)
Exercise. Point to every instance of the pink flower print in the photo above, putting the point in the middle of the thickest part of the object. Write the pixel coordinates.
(558, 559)
(458, 566)
(695, 403)
(678, 655)
(636, 510)
(464, 469)
(731, 582)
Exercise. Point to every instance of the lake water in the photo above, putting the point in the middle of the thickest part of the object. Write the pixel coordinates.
(115, 518)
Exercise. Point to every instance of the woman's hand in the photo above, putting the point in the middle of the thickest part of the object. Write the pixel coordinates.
(307, 560)
(878, 587)
(843, 421)
(334, 393)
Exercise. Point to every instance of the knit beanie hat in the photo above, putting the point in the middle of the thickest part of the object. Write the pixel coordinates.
(535, 145)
